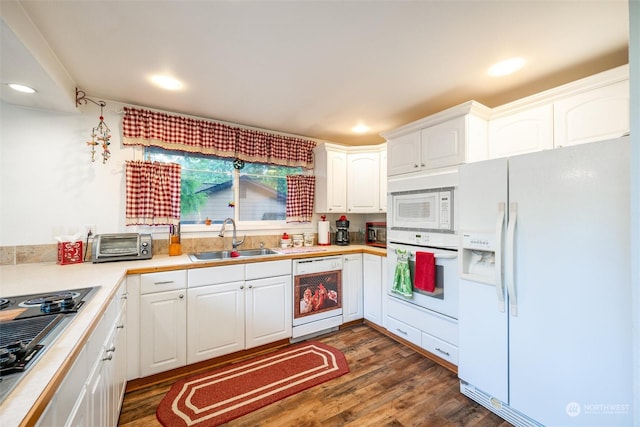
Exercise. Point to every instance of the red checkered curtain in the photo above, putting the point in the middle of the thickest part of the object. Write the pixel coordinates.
(149, 128)
(300, 196)
(152, 193)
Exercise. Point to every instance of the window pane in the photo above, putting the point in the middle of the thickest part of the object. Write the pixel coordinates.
(263, 192)
(208, 187)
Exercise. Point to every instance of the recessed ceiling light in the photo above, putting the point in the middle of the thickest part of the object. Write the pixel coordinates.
(506, 67)
(360, 128)
(21, 88)
(166, 82)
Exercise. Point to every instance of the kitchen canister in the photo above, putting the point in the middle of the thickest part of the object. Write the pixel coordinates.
(298, 240)
(285, 241)
(323, 232)
(308, 239)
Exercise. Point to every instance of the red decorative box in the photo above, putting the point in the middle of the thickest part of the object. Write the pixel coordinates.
(69, 252)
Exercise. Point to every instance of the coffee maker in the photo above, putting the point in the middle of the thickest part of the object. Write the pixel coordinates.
(342, 231)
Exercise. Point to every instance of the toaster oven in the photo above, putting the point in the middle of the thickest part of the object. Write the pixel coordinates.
(121, 247)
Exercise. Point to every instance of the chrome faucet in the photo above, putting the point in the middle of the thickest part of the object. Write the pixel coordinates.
(234, 243)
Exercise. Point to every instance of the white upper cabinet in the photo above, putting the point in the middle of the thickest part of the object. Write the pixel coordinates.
(591, 109)
(521, 132)
(349, 180)
(383, 178)
(451, 137)
(403, 154)
(363, 182)
(331, 178)
(595, 115)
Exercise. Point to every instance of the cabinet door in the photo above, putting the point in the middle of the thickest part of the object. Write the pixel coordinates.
(403, 154)
(363, 185)
(119, 362)
(163, 326)
(331, 180)
(383, 180)
(595, 115)
(352, 288)
(215, 321)
(372, 279)
(268, 310)
(523, 132)
(443, 144)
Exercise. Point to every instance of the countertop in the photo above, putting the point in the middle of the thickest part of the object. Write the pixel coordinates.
(45, 376)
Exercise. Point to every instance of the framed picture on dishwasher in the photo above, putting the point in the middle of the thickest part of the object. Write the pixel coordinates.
(317, 293)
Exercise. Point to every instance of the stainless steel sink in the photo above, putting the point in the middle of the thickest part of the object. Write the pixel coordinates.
(215, 255)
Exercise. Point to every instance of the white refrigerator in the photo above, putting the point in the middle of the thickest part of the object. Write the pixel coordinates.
(545, 289)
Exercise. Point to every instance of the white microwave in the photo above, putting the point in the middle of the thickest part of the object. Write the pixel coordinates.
(423, 210)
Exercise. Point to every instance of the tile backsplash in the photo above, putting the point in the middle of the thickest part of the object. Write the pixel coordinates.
(27, 254)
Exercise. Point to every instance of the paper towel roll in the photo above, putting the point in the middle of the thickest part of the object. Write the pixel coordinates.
(323, 233)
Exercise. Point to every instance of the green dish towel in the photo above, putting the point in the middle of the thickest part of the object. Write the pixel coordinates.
(402, 277)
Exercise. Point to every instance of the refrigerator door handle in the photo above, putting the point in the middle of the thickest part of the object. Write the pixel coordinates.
(498, 256)
(511, 231)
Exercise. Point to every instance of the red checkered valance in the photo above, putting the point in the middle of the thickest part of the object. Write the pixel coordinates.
(152, 193)
(300, 196)
(172, 132)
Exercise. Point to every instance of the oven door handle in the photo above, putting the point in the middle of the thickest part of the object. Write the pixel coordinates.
(435, 255)
(446, 256)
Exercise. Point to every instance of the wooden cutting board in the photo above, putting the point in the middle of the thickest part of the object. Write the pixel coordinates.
(7, 315)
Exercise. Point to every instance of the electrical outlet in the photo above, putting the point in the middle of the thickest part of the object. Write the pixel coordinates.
(89, 230)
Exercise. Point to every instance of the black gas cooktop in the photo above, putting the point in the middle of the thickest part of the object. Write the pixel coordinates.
(28, 324)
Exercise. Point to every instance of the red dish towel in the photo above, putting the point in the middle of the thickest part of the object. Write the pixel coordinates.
(425, 272)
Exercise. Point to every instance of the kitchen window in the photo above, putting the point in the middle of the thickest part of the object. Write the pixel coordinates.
(211, 187)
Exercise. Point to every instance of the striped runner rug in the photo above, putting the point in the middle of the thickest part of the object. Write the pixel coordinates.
(216, 397)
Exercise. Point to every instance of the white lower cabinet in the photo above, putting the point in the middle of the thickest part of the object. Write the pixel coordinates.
(427, 329)
(372, 272)
(268, 310)
(352, 288)
(163, 323)
(187, 316)
(215, 321)
(91, 393)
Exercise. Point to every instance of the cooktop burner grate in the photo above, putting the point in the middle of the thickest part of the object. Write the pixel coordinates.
(24, 330)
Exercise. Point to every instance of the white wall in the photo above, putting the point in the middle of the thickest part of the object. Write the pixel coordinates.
(47, 179)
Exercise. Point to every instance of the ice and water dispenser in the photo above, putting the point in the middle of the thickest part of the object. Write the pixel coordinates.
(479, 251)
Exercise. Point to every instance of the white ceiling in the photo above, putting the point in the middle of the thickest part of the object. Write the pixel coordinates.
(310, 68)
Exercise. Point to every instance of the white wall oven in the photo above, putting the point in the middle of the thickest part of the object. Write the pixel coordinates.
(443, 298)
(317, 296)
(421, 218)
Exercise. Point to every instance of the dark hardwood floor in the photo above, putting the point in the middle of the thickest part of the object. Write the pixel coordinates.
(388, 385)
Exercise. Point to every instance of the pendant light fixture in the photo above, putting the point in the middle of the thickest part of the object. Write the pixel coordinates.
(101, 134)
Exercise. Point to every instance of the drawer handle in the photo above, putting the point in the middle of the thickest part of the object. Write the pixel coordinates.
(107, 357)
(446, 353)
(401, 331)
(166, 282)
(120, 327)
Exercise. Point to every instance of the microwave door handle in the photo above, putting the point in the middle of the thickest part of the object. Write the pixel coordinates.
(498, 257)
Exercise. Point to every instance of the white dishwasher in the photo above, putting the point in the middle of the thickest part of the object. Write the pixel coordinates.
(317, 296)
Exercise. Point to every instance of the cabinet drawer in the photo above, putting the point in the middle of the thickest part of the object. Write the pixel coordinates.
(442, 349)
(403, 330)
(260, 270)
(164, 281)
(215, 275)
(427, 321)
